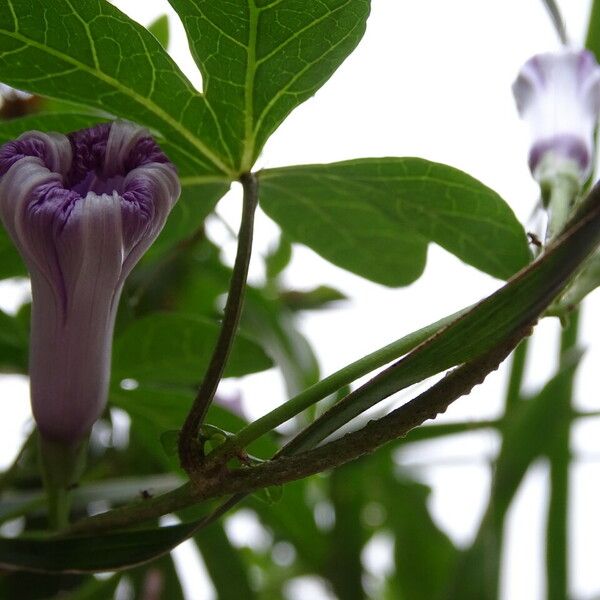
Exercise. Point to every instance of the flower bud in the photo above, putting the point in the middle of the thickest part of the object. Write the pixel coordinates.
(82, 209)
(558, 95)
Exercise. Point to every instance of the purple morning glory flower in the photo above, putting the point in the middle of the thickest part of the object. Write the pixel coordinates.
(558, 95)
(82, 209)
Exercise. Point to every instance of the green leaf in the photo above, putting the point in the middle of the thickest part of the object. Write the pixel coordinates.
(112, 551)
(196, 202)
(273, 326)
(270, 495)
(347, 491)
(96, 589)
(14, 345)
(592, 41)
(530, 431)
(435, 431)
(224, 563)
(60, 122)
(278, 258)
(169, 441)
(314, 299)
(492, 322)
(160, 574)
(375, 217)
(174, 348)
(159, 28)
(261, 58)
(91, 53)
(11, 263)
(424, 556)
(156, 418)
(40, 586)
(292, 520)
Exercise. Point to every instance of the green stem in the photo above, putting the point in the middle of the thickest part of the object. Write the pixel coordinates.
(517, 370)
(190, 450)
(61, 467)
(329, 385)
(559, 455)
(563, 191)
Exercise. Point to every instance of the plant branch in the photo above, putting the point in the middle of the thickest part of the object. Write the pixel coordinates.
(398, 423)
(190, 450)
(285, 468)
(327, 386)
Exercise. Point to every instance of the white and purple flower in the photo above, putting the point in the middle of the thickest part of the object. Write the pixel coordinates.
(82, 209)
(558, 95)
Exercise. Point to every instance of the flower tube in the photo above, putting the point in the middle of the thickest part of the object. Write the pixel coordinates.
(82, 209)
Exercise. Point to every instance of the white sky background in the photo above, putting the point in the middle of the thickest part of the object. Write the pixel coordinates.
(431, 78)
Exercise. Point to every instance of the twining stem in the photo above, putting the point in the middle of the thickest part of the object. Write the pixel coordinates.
(328, 386)
(190, 449)
(559, 455)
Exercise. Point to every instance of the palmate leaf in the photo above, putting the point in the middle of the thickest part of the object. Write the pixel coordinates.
(375, 217)
(261, 58)
(91, 53)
